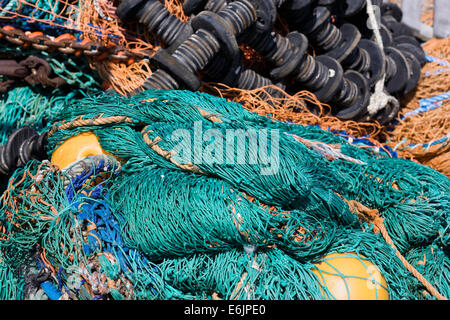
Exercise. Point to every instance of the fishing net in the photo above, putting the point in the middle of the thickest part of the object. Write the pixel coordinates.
(87, 21)
(22, 106)
(183, 211)
(301, 108)
(212, 230)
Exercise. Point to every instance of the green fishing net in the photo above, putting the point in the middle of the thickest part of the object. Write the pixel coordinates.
(202, 199)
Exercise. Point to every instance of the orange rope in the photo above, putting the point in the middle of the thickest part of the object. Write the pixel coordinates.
(292, 108)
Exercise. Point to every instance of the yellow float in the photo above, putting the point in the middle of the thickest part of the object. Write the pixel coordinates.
(349, 276)
(75, 148)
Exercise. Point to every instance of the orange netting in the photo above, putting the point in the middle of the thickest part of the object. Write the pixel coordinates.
(62, 13)
(416, 131)
(121, 77)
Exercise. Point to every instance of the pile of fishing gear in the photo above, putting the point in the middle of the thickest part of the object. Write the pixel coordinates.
(183, 150)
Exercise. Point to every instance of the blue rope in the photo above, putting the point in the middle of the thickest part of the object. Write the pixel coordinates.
(96, 210)
(428, 104)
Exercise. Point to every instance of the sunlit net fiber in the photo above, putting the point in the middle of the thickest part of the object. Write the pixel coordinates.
(60, 14)
(176, 7)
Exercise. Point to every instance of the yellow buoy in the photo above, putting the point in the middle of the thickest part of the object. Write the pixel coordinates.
(349, 276)
(75, 148)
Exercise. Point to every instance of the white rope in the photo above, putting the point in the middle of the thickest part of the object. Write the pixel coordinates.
(380, 98)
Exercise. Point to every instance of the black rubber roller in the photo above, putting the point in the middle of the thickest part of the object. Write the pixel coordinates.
(407, 39)
(266, 13)
(177, 70)
(127, 9)
(224, 34)
(25, 150)
(32, 148)
(350, 8)
(12, 146)
(359, 106)
(350, 38)
(23, 145)
(391, 9)
(396, 28)
(4, 169)
(326, 3)
(297, 11)
(385, 115)
(300, 45)
(386, 36)
(193, 6)
(324, 35)
(414, 69)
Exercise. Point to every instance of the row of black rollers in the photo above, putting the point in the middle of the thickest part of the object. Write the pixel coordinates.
(343, 73)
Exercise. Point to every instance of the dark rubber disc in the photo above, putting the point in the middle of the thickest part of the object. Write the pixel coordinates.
(193, 6)
(393, 10)
(3, 168)
(407, 39)
(416, 51)
(414, 75)
(386, 36)
(350, 8)
(383, 116)
(360, 105)
(300, 44)
(127, 9)
(170, 64)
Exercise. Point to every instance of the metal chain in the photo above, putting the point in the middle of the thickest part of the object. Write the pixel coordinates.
(33, 70)
(68, 44)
